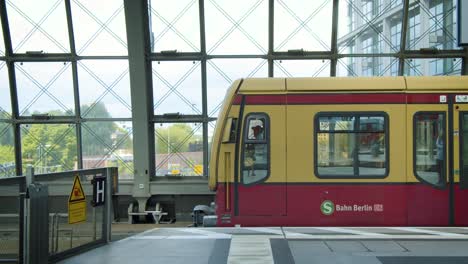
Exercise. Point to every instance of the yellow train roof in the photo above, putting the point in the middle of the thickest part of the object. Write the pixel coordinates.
(328, 84)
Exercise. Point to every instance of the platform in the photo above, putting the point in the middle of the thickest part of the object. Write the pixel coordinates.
(365, 245)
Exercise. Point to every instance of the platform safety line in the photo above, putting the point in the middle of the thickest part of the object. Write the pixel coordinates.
(427, 231)
(139, 234)
(352, 231)
(390, 237)
(198, 234)
(178, 237)
(271, 230)
(278, 232)
(204, 232)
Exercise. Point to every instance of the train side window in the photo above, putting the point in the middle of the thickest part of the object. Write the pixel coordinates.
(230, 130)
(351, 145)
(255, 151)
(429, 147)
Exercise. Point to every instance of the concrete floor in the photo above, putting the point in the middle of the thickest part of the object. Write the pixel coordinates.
(377, 245)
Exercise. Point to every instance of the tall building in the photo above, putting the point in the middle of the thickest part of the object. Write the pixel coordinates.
(374, 29)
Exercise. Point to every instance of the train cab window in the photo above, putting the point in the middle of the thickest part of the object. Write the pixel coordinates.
(429, 147)
(351, 145)
(255, 151)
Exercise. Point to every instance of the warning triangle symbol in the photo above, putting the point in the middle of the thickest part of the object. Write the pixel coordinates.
(77, 193)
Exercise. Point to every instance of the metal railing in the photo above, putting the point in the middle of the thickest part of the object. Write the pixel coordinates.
(24, 228)
(12, 194)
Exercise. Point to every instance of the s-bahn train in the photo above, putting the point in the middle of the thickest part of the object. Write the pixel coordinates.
(384, 151)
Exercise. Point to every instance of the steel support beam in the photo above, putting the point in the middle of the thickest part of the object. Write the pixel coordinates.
(271, 37)
(79, 146)
(138, 40)
(204, 85)
(334, 40)
(404, 28)
(12, 82)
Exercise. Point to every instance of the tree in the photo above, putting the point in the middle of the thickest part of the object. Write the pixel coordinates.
(96, 136)
(7, 154)
(175, 138)
(50, 146)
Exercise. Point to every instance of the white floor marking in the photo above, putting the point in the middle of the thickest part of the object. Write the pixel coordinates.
(270, 230)
(426, 231)
(137, 235)
(351, 231)
(204, 232)
(276, 232)
(250, 249)
(178, 237)
(200, 234)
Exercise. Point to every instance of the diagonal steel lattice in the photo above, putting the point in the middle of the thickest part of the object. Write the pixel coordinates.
(373, 24)
(412, 65)
(111, 149)
(6, 128)
(229, 81)
(236, 24)
(303, 24)
(312, 74)
(437, 24)
(37, 26)
(173, 88)
(102, 26)
(4, 113)
(170, 25)
(44, 89)
(176, 149)
(49, 150)
(108, 88)
(380, 72)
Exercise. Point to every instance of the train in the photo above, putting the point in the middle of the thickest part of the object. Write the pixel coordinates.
(342, 151)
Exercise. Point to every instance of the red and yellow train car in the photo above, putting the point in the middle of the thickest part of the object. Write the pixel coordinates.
(386, 151)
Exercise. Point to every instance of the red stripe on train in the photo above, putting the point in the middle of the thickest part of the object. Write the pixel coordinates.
(354, 205)
(298, 99)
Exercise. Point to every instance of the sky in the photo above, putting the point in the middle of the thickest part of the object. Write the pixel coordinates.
(232, 27)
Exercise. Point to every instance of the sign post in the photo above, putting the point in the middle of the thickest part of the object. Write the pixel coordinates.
(76, 203)
(99, 191)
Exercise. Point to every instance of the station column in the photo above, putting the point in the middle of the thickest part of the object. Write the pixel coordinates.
(138, 40)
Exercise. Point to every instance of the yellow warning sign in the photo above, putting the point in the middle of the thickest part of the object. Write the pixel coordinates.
(77, 193)
(76, 203)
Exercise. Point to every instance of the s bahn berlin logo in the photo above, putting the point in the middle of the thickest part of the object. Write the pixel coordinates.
(327, 207)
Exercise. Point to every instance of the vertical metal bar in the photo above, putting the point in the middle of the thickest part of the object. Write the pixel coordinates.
(76, 93)
(22, 200)
(52, 230)
(271, 35)
(334, 39)
(71, 238)
(404, 28)
(451, 161)
(27, 217)
(204, 85)
(107, 206)
(464, 69)
(57, 219)
(95, 223)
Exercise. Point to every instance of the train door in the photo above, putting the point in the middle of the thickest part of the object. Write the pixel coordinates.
(428, 181)
(260, 183)
(460, 154)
